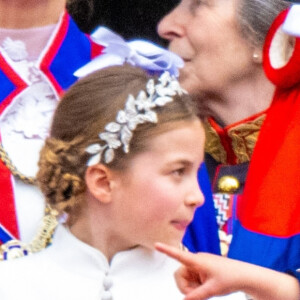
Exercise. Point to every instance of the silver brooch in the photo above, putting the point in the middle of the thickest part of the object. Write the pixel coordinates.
(137, 111)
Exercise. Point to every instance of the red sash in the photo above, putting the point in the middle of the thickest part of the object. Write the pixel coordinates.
(271, 200)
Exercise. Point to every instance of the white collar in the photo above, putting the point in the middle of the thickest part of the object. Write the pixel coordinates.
(66, 249)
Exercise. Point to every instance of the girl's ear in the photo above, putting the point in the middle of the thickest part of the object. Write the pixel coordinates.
(98, 181)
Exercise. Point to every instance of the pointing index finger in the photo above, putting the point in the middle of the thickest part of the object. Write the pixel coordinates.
(185, 258)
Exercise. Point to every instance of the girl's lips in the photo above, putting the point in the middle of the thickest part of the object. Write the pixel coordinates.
(180, 224)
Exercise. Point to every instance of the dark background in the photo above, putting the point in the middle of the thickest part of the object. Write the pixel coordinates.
(130, 18)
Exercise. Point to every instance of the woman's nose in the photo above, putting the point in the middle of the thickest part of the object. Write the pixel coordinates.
(171, 25)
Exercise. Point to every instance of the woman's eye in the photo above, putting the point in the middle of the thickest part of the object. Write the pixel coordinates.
(196, 3)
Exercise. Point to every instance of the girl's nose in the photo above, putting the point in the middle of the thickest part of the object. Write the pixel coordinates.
(195, 197)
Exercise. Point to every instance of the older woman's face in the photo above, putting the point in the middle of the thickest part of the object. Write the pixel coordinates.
(206, 35)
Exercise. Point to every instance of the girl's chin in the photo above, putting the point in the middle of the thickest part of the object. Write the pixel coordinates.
(177, 243)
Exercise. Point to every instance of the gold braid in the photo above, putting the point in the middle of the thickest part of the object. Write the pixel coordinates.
(15, 248)
(9, 164)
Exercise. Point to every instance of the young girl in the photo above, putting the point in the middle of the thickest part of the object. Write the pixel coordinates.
(120, 165)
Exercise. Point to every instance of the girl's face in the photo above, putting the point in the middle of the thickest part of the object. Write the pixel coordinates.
(155, 199)
(206, 35)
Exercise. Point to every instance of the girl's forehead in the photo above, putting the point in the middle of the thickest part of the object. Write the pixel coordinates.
(179, 136)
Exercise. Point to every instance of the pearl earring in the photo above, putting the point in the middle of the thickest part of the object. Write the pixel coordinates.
(256, 57)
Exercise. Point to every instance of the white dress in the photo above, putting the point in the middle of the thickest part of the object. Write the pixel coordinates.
(71, 269)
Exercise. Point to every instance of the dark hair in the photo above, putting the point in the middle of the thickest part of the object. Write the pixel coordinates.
(82, 114)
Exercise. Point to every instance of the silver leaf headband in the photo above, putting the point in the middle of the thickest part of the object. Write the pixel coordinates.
(137, 110)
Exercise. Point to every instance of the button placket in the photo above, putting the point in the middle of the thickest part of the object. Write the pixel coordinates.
(107, 284)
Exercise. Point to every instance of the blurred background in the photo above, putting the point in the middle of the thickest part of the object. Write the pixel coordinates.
(129, 18)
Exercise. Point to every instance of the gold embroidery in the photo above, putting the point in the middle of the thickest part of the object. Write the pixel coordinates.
(213, 144)
(242, 138)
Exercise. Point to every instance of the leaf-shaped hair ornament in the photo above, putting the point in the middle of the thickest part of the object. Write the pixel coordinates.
(137, 111)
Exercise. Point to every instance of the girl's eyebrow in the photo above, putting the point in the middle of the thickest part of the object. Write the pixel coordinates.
(180, 161)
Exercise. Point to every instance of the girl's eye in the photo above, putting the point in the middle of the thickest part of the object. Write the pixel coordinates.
(179, 172)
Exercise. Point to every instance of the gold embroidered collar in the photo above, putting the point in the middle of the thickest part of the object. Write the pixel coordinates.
(233, 144)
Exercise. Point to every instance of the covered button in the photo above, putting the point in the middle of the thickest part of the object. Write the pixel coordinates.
(107, 282)
(107, 296)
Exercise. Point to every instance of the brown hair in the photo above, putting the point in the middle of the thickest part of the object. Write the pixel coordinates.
(81, 115)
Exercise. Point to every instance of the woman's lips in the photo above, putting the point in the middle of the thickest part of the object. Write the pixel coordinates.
(186, 60)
